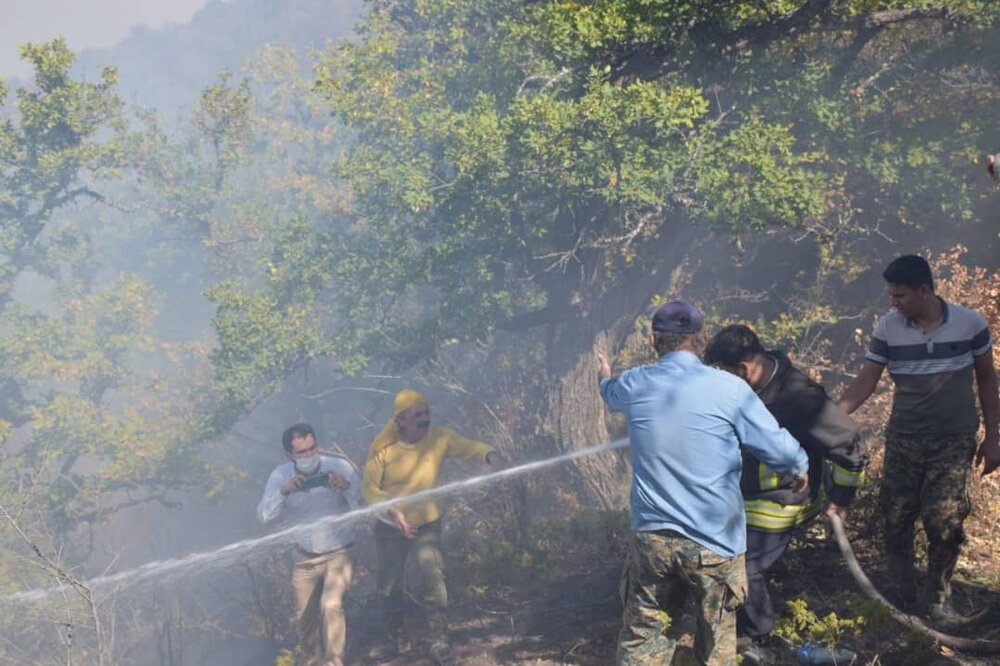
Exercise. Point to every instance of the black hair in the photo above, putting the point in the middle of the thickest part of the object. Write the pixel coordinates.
(910, 271)
(733, 345)
(296, 431)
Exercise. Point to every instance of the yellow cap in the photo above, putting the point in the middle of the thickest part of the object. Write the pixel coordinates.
(405, 399)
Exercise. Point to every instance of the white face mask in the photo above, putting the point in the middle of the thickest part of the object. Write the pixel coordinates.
(308, 465)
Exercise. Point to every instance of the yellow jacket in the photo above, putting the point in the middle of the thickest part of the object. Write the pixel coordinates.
(400, 469)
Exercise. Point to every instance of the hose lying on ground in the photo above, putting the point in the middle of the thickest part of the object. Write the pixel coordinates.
(955, 642)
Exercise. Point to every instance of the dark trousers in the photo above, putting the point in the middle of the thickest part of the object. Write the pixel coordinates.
(756, 617)
(392, 549)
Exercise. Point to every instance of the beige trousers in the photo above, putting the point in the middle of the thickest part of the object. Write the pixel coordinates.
(319, 583)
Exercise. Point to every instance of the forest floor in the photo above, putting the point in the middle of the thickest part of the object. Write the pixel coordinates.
(573, 616)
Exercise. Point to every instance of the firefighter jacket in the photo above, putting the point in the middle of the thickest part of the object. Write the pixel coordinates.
(802, 407)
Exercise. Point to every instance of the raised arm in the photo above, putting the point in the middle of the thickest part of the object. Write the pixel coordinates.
(610, 388)
(615, 390)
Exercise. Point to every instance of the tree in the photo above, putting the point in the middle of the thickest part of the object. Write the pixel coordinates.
(99, 413)
(86, 425)
(68, 134)
(551, 164)
(250, 179)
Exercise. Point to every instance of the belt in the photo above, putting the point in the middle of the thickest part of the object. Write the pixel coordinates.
(305, 553)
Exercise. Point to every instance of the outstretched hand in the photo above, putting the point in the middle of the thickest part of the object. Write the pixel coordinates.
(603, 367)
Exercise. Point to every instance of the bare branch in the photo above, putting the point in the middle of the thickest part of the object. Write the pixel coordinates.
(890, 16)
(64, 579)
(549, 80)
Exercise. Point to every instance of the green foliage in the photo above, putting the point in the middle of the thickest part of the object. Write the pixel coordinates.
(761, 178)
(223, 117)
(70, 372)
(66, 133)
(83, 414)
(579, 31)
(498, 145)
(229, 183)
(260, 342)
(801, 625)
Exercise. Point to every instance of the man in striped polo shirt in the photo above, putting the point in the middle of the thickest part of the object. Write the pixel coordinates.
(933, 349)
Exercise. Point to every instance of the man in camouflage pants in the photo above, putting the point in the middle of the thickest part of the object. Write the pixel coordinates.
(932, 350)
(687, 423)
(937, 466)
(670, 566)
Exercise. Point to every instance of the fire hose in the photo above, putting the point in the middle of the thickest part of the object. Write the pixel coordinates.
(955, 642)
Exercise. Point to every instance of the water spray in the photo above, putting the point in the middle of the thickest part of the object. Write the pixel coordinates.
(207, 560)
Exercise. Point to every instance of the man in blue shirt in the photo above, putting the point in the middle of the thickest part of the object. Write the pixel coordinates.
(687, 424)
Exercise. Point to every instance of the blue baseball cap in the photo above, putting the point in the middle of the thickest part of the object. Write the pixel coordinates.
(678, 316)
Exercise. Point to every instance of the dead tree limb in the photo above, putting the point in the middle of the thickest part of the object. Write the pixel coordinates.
(65, 579)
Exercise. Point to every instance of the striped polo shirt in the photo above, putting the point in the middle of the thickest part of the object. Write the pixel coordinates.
(932, 370)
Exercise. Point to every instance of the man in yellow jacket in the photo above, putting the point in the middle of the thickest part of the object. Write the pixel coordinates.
(406, 458)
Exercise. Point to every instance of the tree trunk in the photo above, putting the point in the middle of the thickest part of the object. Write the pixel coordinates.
(576, 412)
(602, 317)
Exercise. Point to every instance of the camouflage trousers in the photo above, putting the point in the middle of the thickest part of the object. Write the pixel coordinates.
(665, 565)
(926, 476)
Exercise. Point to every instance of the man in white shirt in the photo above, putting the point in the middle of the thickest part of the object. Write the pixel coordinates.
(307, 488)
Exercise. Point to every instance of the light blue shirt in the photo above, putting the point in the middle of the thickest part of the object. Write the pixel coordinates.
(687, 422)
(306, 506)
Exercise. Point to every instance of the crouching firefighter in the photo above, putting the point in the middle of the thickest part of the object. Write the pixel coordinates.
(774, 509)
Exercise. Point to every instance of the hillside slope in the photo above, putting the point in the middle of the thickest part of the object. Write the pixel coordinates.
(165, 69)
